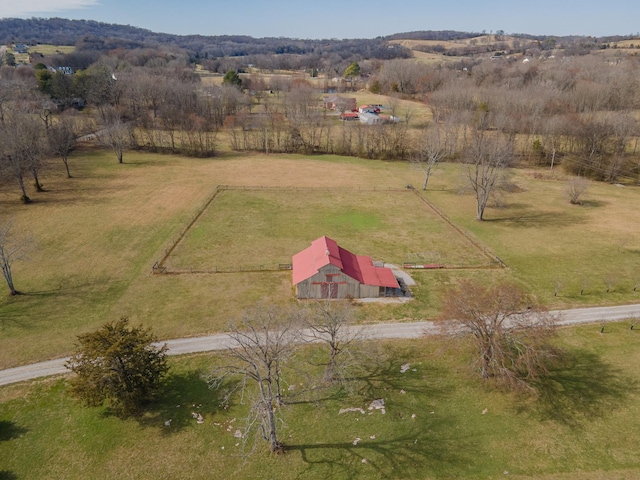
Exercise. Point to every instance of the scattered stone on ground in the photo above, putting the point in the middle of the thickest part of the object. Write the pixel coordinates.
(237, 434)
(402, 392)
(355, 442)
(378, 404)
(351, 409)
(167, 423)
(364, 460)
(405, 367)
(199, 418)
(413, 416)
(484, 411)
(372, 437)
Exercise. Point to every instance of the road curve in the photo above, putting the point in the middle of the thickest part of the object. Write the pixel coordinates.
(222, 341)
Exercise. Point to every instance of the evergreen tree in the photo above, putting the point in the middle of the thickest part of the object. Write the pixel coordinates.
(117, 363)
(232, 78)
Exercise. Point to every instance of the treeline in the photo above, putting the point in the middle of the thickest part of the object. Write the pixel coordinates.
(102, 37)
(444, 35)
(579, 112)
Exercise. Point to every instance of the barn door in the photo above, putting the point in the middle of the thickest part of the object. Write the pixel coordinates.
(329, 290)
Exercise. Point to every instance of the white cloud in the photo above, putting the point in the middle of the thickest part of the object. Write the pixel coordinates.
(13, 8)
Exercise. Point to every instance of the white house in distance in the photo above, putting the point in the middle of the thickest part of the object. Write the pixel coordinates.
(326, 270)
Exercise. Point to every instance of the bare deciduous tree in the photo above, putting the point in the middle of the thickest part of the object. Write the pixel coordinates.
(332, 323)
(576, 188)
(609, 281)
(117, 135)
(510, 335)
(62, 140)
(23, 149)
(558, 285)
(434, 145)
(12, 249)
(487, 158)
(263, 341)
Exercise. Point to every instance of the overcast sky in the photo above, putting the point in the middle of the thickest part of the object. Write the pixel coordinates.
(344, 19)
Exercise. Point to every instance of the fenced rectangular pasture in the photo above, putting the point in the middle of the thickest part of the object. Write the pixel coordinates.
(254, 228)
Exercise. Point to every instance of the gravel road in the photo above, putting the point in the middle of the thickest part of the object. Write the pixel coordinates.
(222, 341)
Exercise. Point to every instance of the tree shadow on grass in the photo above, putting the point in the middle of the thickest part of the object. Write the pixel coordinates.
(533, 219)
(582, 387)
(182, 398)
(412, 455)
(9, 430)
(593, 203)
(372, 378)
(385, 375)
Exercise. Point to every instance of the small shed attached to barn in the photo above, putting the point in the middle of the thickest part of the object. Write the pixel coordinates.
(326, 270)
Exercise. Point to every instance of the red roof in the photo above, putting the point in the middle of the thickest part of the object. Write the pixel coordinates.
(325, 251)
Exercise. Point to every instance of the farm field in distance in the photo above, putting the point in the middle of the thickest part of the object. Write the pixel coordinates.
(97, 236)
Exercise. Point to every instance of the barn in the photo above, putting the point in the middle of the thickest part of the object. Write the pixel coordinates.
(326, 270)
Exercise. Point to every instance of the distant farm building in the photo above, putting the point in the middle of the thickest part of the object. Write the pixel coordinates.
(20, 48)
(340, 104)
(369, 109)
(370, 118)
(326, 270)
(349, 116)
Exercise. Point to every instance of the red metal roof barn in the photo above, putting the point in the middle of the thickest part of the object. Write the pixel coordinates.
(326, 270)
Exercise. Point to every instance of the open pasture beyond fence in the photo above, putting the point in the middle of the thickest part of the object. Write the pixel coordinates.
(257, 229)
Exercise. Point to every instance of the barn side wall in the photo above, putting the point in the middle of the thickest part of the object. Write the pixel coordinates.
(369, 291)
(347, 286)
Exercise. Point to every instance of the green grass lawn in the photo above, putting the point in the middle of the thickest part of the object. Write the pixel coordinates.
(543, 238)
(244, 228)
(584, 424)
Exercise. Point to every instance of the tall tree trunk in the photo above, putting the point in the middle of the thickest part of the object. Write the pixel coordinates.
(36, 181)
(65, 159)
(25, 198)
(6, 272)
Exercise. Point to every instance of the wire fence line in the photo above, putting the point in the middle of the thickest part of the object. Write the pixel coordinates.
(271, 267)
(160, 267)
(493, 258)
(336, 189)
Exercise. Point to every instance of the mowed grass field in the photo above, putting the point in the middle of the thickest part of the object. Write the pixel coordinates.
(97, 236)
(441, 421)
(244, 229)
(545, 240)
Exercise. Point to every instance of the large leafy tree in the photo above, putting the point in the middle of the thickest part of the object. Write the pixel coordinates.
(119, 364)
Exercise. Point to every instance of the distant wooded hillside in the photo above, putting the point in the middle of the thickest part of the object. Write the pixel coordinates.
(91, 35)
